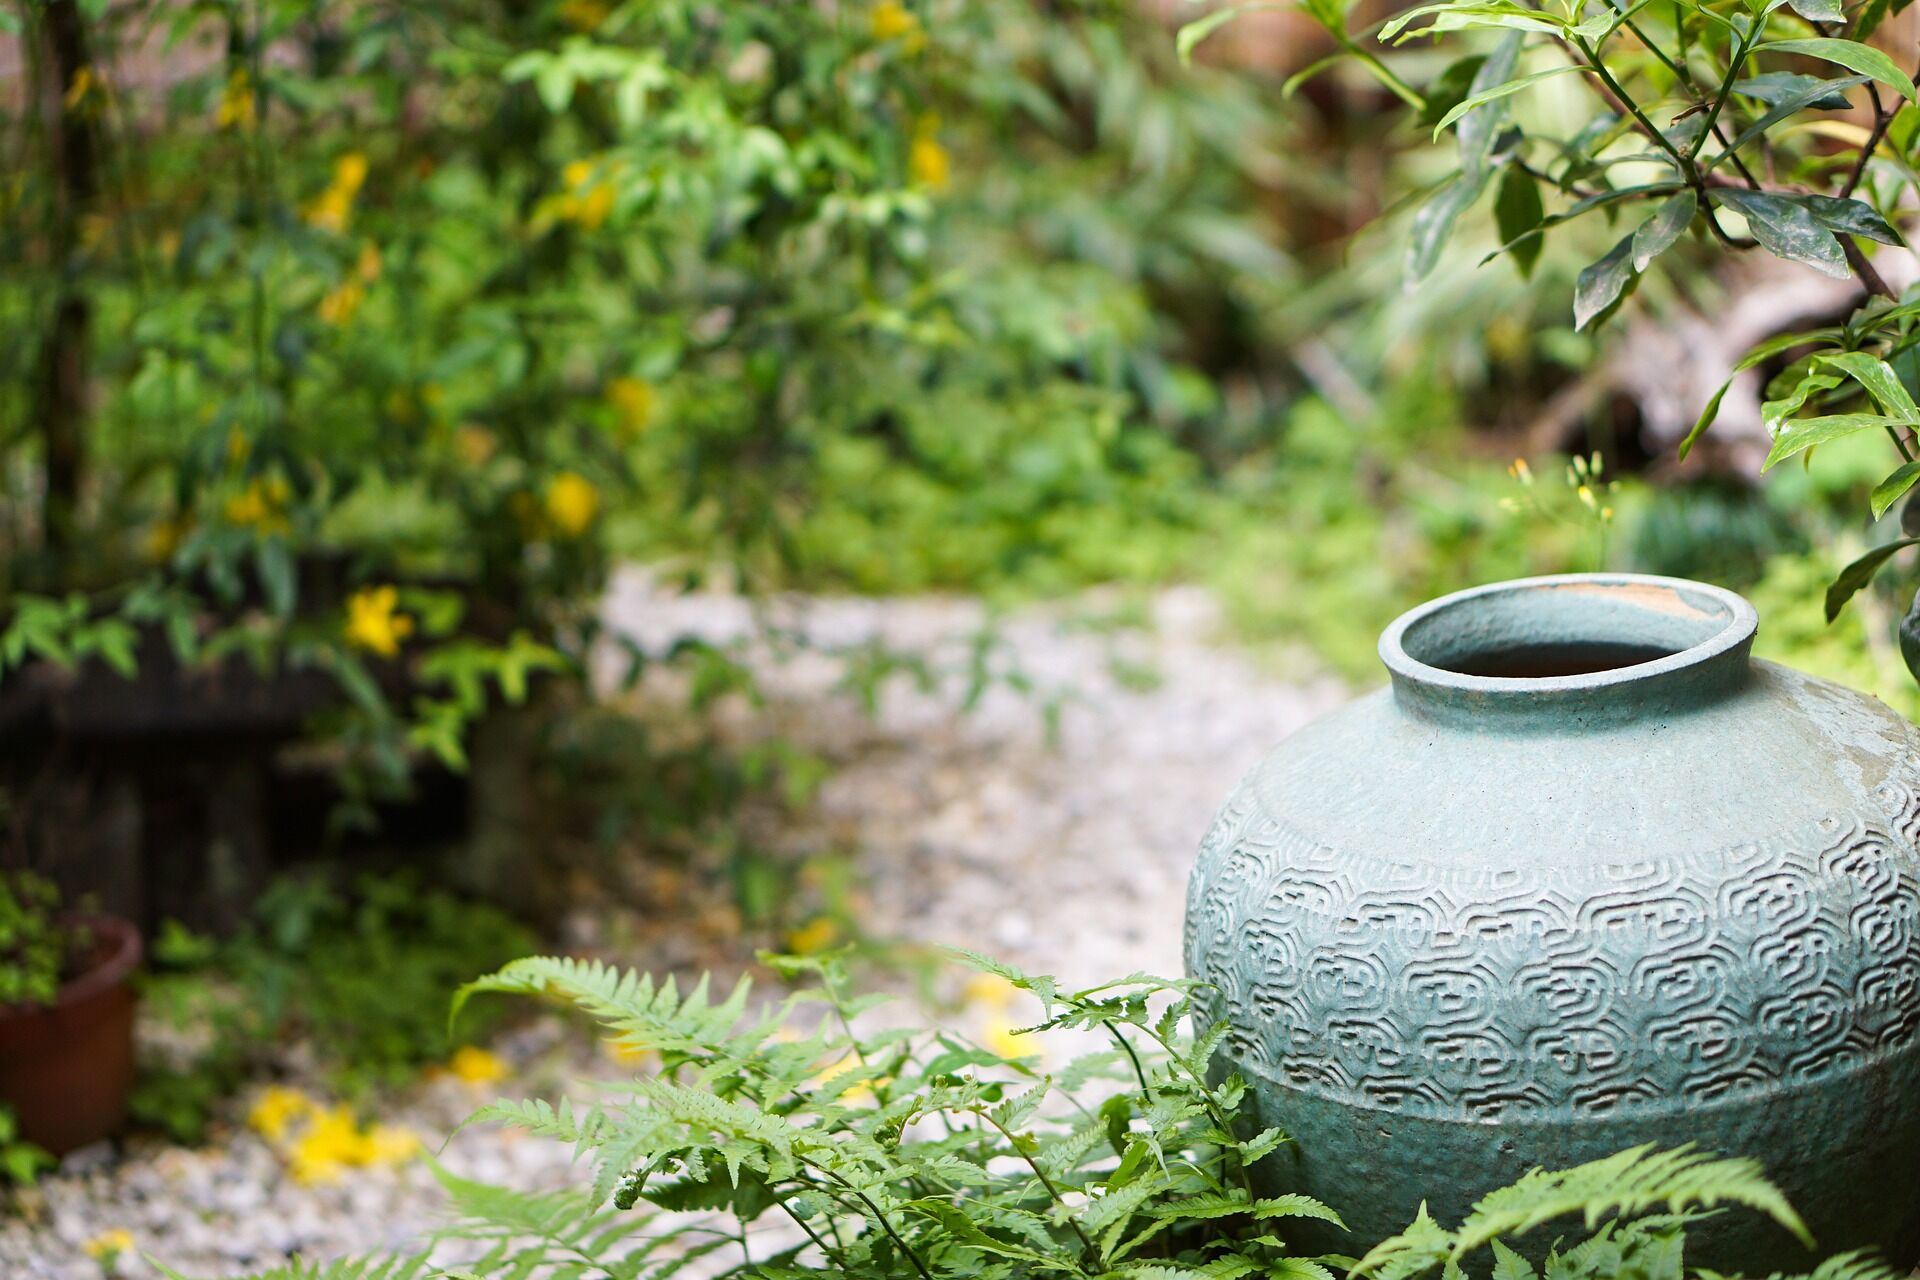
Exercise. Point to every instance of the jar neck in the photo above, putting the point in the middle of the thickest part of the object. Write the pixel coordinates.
(1591, 649)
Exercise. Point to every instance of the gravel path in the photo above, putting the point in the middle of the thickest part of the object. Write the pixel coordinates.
(1052, 825)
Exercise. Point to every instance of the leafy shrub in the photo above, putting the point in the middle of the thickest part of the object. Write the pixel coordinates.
(1716, 124)
(38, 949)
(808, 1147)
(360, 975)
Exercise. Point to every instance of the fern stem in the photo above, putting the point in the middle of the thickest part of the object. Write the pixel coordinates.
(1045, 1181)
(879, 1216)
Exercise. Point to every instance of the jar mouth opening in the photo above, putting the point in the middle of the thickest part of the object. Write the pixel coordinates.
(1572, 631)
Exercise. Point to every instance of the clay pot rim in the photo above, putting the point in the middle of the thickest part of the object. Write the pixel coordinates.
(121, 959)
(1734, 620)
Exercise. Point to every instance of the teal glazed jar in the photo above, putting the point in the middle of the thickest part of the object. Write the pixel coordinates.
(1587, 875)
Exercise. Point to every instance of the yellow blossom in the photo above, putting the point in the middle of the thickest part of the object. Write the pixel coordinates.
(628, 1051)
(340, 303)
(373, 623)
(927, 160)
(163, 538)
(815, 936)
(390, 1144)
(332, 1142)
(571, 503)
(891, 20)
(1009, 1041)
(260, 506)
(276, 1109)
(333, 208)
(477, 1066)
(589, 197)
(474, 444)
(989, 989)
(634, 400)
(108, 1245)
(236, 101)
(367, 266)
(1520, 471)
(583, 15)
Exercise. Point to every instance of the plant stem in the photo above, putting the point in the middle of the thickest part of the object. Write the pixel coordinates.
(878, 1214)
(1045, 1181)
(1881, 119)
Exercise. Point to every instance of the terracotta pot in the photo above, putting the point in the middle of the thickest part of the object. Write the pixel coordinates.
(66, 1069)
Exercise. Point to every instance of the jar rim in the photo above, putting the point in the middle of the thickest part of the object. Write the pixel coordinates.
(1690, 623)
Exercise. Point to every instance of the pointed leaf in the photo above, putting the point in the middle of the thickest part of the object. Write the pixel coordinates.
(1804, 433)
(1776, 87)
(1879, 379)
(1852, 55)
(1602, 283)
(1810, 94)
(1859, 574)
(1787, 229)
(1888, 491)
(1517, 209)
(1498, 91)
(1199, 29)
(1818, 10)
(1658, 233)
(1850, 217)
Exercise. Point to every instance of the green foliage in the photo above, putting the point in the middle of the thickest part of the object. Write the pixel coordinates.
(38, 950)
(1709, 118)
(781, 1140)
(359, 975)
(20, 1161)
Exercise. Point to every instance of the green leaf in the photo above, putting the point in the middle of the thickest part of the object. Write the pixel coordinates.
(1810, 93)
(1517, 209)
(1804, 433)
(1776, 87)
(1787, 229)
(1508, 1265)
(1657, 234)
(1879, 379)
(1860, 573)
(1499, 91)
(1190, 35)
(1852, 55)
(1818, 10)
(1477, 128)
(1850, 217)
(1308, 72)
(1756, 354)
(1888, 491)
(1601, 285)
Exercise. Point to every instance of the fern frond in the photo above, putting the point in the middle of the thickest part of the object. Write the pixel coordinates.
(1626, 1183)
(387, 1267)
(624, 1001)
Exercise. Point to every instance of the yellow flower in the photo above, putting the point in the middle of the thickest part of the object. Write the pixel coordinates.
(1009, 1042)
(333, 207)
(628, 1051)
(367, 267)
(583, 15)
(990, 989)
(331, 1143)
(340, 303)
(474, 444)
(108, 1245)
(812, 937)
(891, 20)
(390, 1144)
(929, 162)
(634, 400)
(260, 506)
(372, 622)
(163, 538)
(276, 1109)
(589, 197)
(236, 102)
(477, 1066)
(571, 502)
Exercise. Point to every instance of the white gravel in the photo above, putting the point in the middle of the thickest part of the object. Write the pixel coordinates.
(1064, 852)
